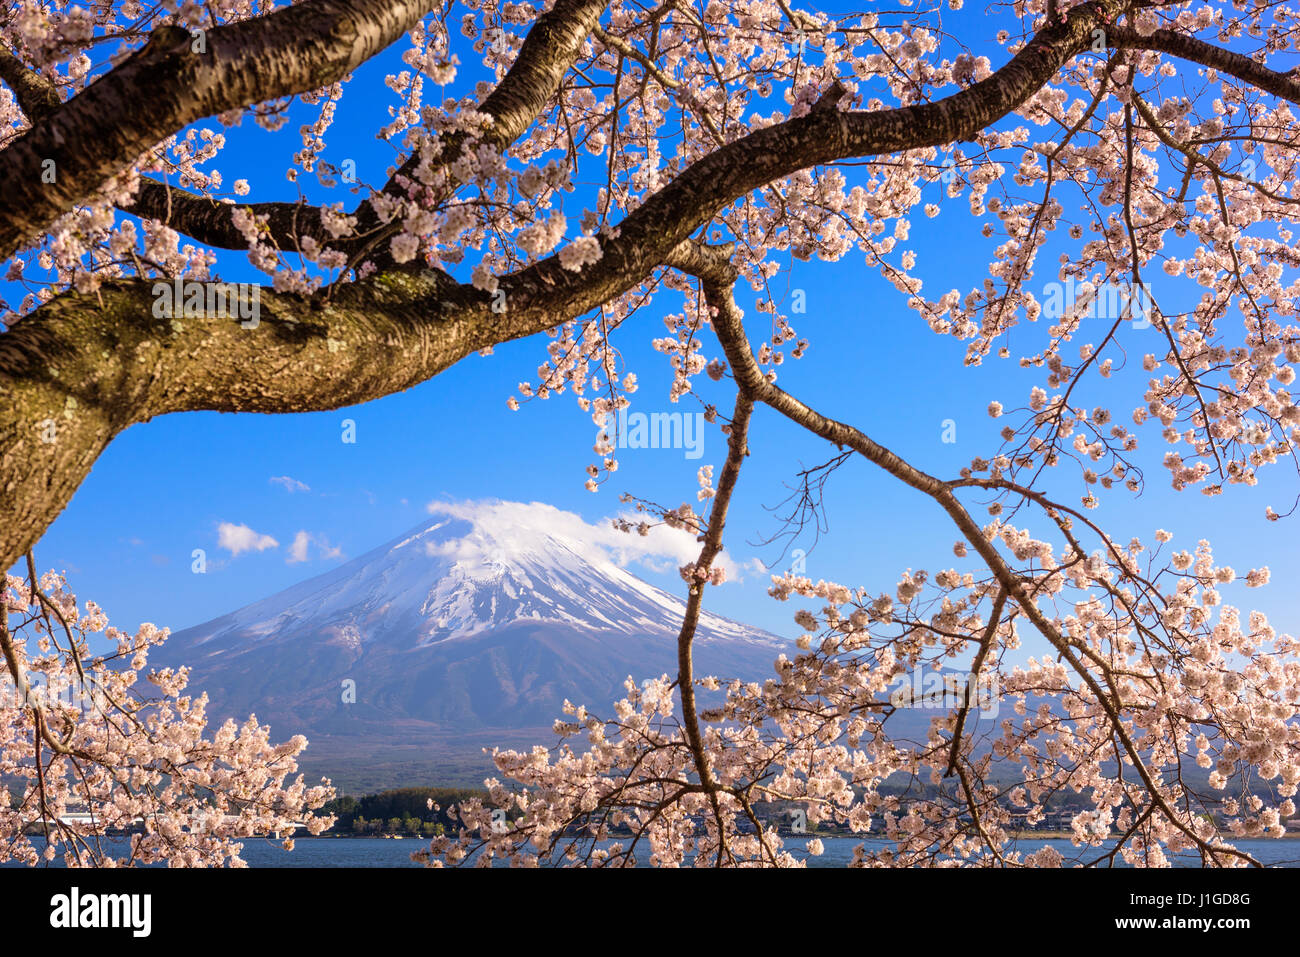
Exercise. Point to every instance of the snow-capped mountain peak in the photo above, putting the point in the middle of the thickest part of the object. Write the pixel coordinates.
(466, 573)
(477, 624)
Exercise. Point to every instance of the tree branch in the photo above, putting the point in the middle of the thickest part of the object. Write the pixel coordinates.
(737, 449)
(37, 96)
(549, 51)
(104, 129)
(731, 334)
(1283, 85)
(95, 364)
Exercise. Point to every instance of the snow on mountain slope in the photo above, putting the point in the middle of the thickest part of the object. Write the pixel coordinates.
(482, 620)
(452, 578)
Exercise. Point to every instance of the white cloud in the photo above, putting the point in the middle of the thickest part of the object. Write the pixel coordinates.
(290, 484)
(303, 540)
(298, 550)
(240, 538)
(662, 549)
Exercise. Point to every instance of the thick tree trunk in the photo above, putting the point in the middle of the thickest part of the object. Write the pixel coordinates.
(80, 374)
(84, 367)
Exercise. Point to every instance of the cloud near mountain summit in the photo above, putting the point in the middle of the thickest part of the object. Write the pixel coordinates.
(513, 525)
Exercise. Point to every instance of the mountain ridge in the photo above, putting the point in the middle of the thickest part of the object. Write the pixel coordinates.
(471, 628)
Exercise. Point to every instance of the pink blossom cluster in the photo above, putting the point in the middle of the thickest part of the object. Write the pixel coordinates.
(141, 757)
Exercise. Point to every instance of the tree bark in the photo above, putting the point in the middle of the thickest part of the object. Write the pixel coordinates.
(96, 364)
(166, 86)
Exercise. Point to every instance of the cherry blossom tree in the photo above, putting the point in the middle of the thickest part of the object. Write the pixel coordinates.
(94, 758)
(1122, 138)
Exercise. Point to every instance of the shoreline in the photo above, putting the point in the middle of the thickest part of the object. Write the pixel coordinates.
(1067, 835)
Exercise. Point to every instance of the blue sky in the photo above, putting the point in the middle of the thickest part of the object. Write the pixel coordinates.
(162, 489)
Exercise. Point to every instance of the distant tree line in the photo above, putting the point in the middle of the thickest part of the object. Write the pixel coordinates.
(406, 811)
(402, 811)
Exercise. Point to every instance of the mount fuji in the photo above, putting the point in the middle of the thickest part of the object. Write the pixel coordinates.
(469, 631)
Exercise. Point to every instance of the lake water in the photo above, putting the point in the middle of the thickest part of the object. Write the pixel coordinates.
(381, 852)
(385, 852)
